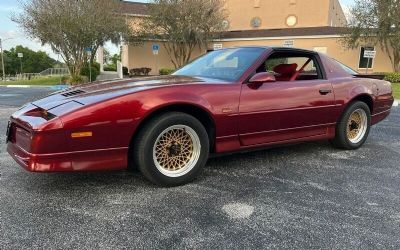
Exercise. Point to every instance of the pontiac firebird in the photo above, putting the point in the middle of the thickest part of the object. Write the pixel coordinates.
(227, 100)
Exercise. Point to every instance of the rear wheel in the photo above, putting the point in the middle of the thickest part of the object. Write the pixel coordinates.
(171, 149)
(353, 128)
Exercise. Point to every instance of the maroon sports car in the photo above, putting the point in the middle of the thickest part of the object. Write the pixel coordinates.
(227, 100)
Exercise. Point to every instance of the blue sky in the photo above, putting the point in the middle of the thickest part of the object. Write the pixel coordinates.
(9, 29)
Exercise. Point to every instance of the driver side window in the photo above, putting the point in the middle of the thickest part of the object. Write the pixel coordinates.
(288, 66)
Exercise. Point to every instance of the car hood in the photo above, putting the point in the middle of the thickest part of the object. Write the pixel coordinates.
(99, 91)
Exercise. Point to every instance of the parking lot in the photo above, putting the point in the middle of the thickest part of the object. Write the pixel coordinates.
(303, 196)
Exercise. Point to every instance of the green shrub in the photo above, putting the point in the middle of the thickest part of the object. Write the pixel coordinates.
(65, 79)
(140, 71)
(78, 79)
(110, 68)
(85, 71)
(164, 71)
(393, 77)
(96, 65)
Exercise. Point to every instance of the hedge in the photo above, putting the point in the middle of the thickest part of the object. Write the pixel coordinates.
(166, 71)
(139, 71)
(393, 77)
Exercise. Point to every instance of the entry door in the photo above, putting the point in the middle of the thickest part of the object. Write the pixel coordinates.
(285, 110)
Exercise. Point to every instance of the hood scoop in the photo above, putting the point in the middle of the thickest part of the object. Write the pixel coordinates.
(73, 93)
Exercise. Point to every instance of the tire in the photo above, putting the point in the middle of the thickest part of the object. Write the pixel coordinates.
(353, 128)
(171, 149)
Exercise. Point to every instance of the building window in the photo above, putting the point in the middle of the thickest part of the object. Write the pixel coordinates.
(364, 61)
(291, 20)
(256, 22)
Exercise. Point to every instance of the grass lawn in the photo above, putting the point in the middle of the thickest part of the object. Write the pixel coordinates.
(396, 90)
(39, 81)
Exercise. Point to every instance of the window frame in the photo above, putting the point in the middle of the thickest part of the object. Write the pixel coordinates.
(359, 58)
(297, 53)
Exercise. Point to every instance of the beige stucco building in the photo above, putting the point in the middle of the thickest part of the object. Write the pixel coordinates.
(308, 24)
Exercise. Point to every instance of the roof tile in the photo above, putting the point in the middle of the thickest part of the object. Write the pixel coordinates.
(286, 32)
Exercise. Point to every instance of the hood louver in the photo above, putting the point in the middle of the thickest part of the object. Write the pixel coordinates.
(72, 93)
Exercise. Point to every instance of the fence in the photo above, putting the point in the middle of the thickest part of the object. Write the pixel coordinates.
(27, 76)
(55, 72)
(45, 73)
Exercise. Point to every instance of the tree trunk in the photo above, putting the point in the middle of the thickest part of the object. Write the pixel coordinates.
(396, 61)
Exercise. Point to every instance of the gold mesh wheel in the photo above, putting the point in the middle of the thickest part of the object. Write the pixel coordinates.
(357, 126)
(176, 150)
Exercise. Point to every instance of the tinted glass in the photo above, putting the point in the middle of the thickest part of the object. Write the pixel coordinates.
(227, 64)
(346, 68)
(280, 63)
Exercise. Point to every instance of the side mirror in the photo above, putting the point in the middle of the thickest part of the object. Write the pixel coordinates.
(262, 77)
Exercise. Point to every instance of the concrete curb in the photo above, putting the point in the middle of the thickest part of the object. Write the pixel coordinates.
(53, 87)
(16, 86)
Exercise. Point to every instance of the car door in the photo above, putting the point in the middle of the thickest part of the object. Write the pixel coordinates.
(286, 110)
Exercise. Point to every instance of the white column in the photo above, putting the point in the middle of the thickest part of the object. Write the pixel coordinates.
(119, 70)
(100, 58)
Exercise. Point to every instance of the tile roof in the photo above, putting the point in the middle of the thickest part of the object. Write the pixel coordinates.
(286, 32)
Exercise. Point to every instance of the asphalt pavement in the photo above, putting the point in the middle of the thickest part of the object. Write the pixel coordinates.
(307, 196)
(18, 96)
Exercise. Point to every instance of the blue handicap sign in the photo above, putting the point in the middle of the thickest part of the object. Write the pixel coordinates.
(156, 47)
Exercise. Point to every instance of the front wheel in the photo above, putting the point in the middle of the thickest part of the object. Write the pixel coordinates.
(171, 149)
(353, 128)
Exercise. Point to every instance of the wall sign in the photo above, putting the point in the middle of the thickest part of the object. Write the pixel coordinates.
(288, 43)
(155, 49)
(217, 46)
(369, 54)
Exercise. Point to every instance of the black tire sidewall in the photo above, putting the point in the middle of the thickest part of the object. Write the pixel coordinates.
(150, 134)
(341, 139)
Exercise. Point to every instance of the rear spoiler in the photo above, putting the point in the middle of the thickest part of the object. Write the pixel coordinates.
(371, 76)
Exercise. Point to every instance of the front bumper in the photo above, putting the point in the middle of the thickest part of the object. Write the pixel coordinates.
(93, 160)
(40, 146)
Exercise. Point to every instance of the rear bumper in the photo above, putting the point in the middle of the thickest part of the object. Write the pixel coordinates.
(94, 160)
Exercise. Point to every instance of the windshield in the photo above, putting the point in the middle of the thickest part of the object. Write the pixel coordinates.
(227, 64)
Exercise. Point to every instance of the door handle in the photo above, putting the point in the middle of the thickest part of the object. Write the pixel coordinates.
(325, 91)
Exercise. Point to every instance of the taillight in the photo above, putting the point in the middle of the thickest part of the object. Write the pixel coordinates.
(10, 132)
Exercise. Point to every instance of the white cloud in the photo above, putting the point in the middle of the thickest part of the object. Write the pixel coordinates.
(8, 8)
(13, 38)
